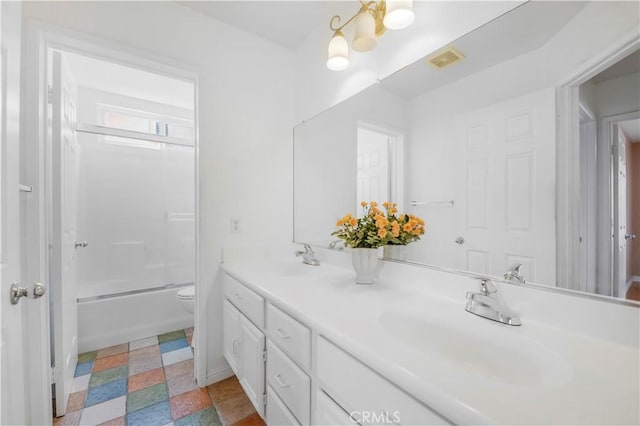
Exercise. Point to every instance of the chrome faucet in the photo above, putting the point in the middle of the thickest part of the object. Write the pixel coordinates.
(486, 305)
(308, 255)
(333, 245)
(513, 273)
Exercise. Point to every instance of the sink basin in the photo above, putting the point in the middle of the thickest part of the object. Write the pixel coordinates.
(291, 269)
(490, 352)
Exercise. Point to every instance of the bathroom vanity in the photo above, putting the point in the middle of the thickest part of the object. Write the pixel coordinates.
(311, 347)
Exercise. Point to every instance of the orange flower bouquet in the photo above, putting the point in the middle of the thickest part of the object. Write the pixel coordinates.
(378, 228)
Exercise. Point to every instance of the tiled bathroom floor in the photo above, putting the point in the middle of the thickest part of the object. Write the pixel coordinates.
(150, 382)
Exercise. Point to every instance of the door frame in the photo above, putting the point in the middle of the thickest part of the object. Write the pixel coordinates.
(568, 169)
(40, 39)
(607, 139)
(396, 159)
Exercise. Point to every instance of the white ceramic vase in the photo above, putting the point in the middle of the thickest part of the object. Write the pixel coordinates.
(365, 262)
(395, 252)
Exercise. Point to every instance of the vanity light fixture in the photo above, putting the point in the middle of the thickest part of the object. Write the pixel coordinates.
(371, 21)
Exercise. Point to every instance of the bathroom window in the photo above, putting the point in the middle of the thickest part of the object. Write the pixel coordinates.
(145, 122)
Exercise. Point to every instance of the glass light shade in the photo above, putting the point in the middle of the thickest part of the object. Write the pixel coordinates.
(365, 32)
(399, 14)
(338, 58)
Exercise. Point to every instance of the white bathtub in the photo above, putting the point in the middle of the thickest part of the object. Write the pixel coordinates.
(120, 319)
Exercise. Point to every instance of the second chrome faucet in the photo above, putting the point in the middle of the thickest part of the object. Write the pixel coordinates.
(487, 305)
(308, 255)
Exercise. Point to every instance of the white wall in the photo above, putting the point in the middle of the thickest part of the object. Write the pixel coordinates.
(437, 23)
(245, 117)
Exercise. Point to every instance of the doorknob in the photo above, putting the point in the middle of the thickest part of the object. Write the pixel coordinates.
(16, 292)
(39, 290)
(80, 244)
(630, 237)
(460, 240)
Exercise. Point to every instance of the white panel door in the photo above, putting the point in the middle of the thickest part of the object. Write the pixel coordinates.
(505, 187)
(64, 149)
(14, 398)
(373, 167)
(620, 212)
(231, 338)
(252, 349)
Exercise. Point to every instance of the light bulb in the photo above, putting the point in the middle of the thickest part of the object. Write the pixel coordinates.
(338, 52)
(399, 14)
(365, 32)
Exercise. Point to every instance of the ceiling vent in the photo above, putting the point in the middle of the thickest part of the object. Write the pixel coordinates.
(444, 58)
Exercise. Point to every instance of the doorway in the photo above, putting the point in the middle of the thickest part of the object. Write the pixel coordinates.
(121, 208)
(379, 165)
(41, 42)
(609, 129)
(625, 167)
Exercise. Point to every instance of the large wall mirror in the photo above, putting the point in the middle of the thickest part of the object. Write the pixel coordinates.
(518, 143)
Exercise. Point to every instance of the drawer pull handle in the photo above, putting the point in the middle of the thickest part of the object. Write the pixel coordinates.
(280, 381)
(282, 334)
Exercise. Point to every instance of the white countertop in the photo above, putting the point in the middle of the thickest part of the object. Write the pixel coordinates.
(411, 327)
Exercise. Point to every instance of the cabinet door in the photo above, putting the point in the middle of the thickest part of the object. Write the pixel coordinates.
(231, 339)
(330, 413)
(252, 349)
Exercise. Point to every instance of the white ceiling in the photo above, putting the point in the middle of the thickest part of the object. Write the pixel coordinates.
(529, 27)
(286, 23)
(127, 81)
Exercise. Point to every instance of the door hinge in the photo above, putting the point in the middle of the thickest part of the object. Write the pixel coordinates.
(264, 356)
(52, 375)
(49, 94)
(264, 398)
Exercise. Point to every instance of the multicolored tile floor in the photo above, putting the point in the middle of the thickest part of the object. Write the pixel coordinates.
(150, 382)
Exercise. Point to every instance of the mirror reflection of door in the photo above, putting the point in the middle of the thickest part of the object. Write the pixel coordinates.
(377, 176)
(609, 180)
(626, 161)
(588, 199)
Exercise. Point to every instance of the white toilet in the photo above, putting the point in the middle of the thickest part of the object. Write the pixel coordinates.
(187, 297)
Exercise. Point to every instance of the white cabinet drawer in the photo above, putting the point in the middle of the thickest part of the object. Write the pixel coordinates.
(291, 336)
(365, 394)
(248, 301)
(277, 413)
(291, 384)
(330, 413)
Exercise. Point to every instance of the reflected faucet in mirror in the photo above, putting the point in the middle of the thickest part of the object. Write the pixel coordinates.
(513, 274)
(308, 255)
(336, 245)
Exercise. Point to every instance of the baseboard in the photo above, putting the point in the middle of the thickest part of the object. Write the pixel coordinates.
(217, 374)
(635, 278)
